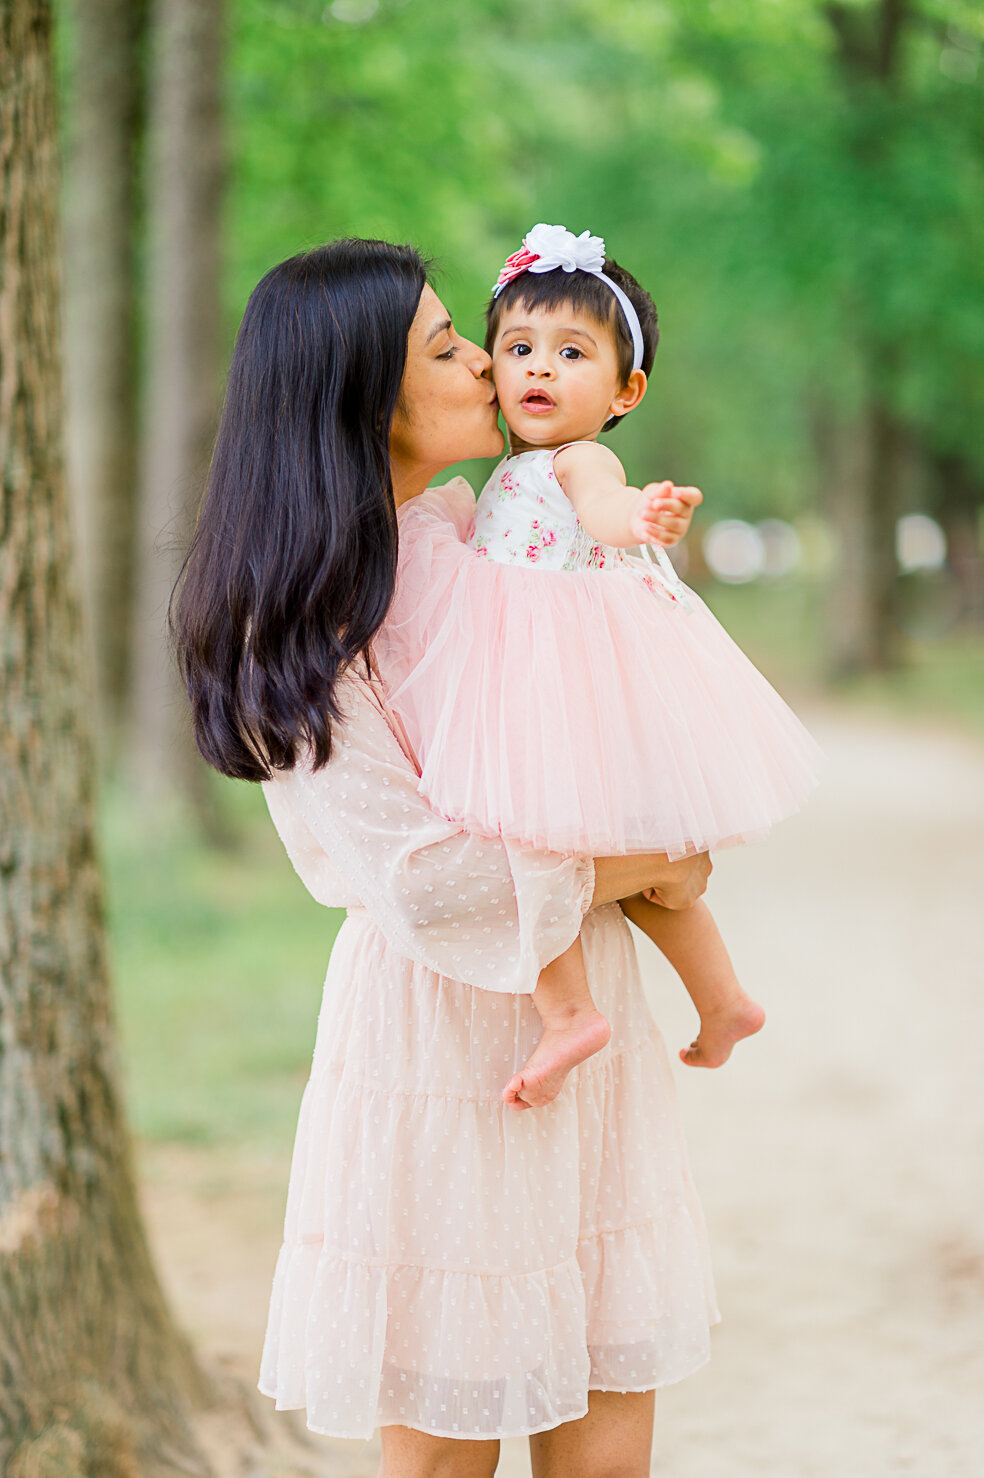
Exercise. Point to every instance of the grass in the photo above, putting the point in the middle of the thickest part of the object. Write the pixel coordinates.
(218, 958)
(780, 626)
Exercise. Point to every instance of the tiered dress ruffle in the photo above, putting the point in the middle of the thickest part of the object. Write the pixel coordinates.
(455, 1267)
(448, 1264)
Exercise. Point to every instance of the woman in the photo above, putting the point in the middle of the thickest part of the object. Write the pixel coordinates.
(450, 1272)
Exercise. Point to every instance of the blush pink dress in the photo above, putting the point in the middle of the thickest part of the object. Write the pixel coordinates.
(447, 1264)
(569, 694)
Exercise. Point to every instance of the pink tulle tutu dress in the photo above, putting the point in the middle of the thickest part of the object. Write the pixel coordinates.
(569, 695)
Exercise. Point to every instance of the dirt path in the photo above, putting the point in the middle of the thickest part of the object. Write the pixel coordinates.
(838, 1155)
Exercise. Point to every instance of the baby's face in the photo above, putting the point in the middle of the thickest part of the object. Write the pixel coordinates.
(556, 375)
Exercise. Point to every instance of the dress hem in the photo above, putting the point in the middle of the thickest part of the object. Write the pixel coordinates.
(491, 1436)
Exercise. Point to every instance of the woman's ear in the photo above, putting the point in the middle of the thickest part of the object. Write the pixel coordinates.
(630, 394)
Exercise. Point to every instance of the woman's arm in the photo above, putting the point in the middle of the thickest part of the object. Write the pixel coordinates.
(675, 885)
(477, 909)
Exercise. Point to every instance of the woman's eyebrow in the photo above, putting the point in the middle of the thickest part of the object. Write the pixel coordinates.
(439, 328)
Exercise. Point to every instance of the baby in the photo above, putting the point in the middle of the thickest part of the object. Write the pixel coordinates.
(584, 698)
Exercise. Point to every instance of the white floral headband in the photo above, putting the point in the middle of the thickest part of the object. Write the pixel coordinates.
(546, 248)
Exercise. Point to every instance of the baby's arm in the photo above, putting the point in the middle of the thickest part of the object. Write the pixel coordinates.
(593, 480)
(690, 940)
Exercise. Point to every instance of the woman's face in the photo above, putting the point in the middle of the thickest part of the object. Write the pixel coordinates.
(448, 411)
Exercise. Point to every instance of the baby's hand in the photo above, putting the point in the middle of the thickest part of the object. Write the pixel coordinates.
(663, 513)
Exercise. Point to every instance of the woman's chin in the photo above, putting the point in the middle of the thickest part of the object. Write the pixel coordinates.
(489, 444)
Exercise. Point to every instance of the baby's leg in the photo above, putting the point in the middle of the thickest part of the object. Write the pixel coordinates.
(690, 940)
(573, 1029)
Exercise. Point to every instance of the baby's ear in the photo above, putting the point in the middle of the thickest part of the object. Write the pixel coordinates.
(630, 395)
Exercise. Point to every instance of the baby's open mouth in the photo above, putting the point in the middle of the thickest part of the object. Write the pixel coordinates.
(536, 400)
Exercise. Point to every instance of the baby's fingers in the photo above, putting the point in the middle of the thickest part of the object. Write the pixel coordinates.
(658, 492)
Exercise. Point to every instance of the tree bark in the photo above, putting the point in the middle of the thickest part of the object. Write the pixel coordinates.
(960, 500)
(100, 331)
(863, 487)
(94, 1376)
(861, 463)
(183, 365)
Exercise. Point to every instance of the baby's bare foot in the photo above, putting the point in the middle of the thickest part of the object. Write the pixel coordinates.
(560, 1048)
(720, 1030)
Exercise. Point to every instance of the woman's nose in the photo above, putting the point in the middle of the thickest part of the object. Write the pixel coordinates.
(479, 362)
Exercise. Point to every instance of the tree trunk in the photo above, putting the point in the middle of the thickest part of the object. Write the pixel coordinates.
(863, 494)
(94, 1377)
(862, 466)
(183, 368)
(100, 328)
(960, 499)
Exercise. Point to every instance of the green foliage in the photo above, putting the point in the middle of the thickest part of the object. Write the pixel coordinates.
(810, 231)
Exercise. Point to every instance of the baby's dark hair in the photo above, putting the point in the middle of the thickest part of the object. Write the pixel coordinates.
(585, 293)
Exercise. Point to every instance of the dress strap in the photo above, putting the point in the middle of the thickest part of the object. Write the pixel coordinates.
(558, 449)
(660, 560)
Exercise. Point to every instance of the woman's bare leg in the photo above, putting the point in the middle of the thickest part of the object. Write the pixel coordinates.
(573, 1029)
(614, 1440)
(408, 1453)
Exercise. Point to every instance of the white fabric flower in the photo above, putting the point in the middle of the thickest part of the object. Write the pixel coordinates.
(555, 247)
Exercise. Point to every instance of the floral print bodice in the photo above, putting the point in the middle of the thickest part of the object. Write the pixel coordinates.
(523, 516)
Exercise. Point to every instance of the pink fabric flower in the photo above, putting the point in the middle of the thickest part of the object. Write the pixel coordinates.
(514, 265)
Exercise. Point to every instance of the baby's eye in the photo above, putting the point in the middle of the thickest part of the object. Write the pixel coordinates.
(570, 352)
(520, 349)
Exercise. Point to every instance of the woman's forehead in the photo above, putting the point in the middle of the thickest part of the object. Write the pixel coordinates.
(431, 317)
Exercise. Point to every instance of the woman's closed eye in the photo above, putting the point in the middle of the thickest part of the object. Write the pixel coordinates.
(449, 353)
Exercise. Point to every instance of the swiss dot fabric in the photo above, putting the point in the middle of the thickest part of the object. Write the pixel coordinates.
(448, 1264)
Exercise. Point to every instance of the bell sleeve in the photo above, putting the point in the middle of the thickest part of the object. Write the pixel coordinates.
(481, 910)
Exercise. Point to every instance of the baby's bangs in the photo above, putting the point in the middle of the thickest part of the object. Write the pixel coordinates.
(559, 289)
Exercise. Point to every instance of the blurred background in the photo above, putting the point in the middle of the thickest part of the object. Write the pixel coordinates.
(800, 186)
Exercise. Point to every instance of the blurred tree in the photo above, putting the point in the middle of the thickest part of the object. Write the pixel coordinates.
(960, 506)
(821, 241)
(798, 182)
(183, 364)
(94, 1376)
(100, 329)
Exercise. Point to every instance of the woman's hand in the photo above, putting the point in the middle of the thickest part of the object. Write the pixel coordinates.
(672, 884)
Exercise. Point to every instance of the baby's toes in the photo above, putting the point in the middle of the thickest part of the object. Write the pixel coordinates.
(694, 1055)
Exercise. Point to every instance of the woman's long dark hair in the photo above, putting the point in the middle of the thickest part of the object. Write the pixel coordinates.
(293, 562)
